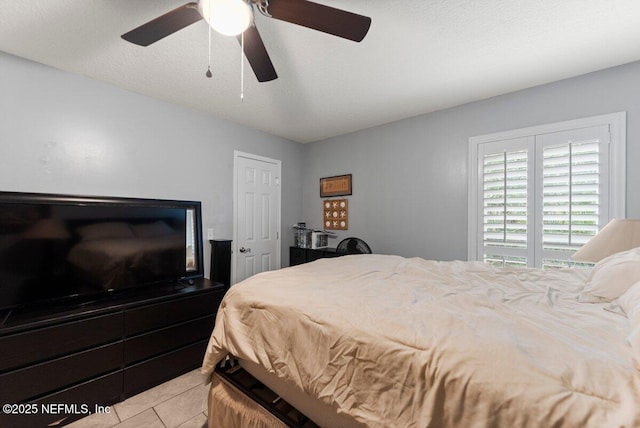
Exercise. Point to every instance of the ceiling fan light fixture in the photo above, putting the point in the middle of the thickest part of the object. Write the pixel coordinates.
(227, 17)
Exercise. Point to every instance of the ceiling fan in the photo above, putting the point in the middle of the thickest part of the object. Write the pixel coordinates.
(235, 18)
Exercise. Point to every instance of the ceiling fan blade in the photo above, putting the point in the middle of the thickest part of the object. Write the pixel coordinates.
(322, 18)
(257, 55)
(164, 25)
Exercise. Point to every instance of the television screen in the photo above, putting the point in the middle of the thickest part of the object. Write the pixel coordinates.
(57, 247)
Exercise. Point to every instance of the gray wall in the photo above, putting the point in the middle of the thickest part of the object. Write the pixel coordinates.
(63, 133)
(410, 177)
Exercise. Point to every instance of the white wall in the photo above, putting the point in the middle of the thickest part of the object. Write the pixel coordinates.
(410, 177)
(63, 133)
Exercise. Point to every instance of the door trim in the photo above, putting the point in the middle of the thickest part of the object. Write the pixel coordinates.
(234, 246)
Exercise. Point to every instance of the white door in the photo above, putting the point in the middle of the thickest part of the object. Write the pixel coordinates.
(257, 215)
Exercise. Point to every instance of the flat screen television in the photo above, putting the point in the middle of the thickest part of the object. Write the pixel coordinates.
(57, 247)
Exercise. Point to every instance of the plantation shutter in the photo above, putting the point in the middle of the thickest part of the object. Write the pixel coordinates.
(506, 229)
(541, 197)
(505, 184)
(574, 185)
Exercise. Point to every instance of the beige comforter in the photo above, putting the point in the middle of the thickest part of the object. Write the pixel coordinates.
(398, 342)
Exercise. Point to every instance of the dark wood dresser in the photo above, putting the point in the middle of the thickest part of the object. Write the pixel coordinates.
(59, 363)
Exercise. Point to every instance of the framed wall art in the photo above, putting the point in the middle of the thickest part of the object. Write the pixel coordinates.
(339, 185)
(335, 214)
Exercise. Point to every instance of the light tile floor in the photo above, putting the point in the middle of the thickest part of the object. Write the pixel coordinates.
(178, 403)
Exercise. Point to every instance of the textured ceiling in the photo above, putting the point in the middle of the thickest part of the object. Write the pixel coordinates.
(419, 56)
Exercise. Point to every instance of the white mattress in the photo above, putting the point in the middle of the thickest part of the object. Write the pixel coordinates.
(390, 341)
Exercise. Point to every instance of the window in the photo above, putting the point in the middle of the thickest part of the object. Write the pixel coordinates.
(192, 263)
(538, 194)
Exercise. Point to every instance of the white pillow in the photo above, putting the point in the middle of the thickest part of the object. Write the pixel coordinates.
(612, 276)
(629, 302)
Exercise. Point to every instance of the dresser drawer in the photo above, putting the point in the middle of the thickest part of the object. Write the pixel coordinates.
(157, 342)
(139, 320)
(102, 391)
(39, 379)
(152, 372)
(22, 349)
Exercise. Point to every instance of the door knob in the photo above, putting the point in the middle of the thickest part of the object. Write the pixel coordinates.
(245, 250)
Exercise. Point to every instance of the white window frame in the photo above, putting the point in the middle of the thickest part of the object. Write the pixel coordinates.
(617, 165)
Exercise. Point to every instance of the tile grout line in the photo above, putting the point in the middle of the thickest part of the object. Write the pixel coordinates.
(121, 419)
(183, 392)
(161, 421)
(157, 404)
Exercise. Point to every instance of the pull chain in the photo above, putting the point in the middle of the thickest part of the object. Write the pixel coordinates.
(242, 68)
(208, 73)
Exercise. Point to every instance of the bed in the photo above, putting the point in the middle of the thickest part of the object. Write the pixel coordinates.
(386, 341)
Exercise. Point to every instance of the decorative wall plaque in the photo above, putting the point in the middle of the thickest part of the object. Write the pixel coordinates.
(340, 185)
(335, 214)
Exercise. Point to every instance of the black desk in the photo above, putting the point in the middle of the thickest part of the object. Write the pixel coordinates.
(298, 256)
